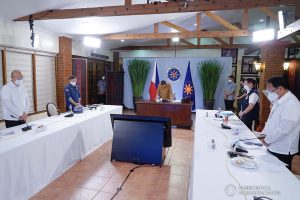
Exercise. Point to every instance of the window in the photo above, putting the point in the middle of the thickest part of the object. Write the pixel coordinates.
(1, 81)
(45, 81)
(23, 62)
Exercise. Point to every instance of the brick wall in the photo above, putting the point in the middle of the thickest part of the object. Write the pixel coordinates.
(272, 59)
(64, 69)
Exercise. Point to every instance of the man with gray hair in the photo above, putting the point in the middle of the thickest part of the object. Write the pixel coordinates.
(15, 101)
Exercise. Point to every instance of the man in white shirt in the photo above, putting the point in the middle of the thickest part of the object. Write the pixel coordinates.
(250, 104)
(15, 101)
(283, 125)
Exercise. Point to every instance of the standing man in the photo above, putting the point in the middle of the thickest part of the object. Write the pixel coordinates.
(15, 101)
(283, 125)
(229, 93)
(72, 95)
(250, 104)
(101, 85)
(164, 91)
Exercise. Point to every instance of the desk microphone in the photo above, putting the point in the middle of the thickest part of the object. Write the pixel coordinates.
(27, 128)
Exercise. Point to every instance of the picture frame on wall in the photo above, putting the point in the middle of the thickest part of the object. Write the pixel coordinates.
(248, 66)
(255, 77)
(230, 52)
(234, 69)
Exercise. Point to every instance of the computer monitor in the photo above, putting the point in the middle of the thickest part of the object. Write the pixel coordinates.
(140, 139)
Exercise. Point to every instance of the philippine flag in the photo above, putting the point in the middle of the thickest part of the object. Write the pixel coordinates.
(154, 83)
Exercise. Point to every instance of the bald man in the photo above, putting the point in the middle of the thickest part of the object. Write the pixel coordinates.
(15, 101)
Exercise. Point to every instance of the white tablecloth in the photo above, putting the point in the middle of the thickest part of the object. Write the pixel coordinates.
(213, 176)
(30, 161)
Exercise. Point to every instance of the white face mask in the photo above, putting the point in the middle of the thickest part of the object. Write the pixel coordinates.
(247, 88)
(230, 81)
(73, 83)
(272, 96)
(19, 82)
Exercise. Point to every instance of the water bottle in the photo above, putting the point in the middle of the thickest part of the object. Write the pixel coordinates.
(219, 113)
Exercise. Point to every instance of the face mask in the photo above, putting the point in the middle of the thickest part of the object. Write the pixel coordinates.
(272, 96)
(229, 80)
(19, 82)
(73, 83)
(247, 88)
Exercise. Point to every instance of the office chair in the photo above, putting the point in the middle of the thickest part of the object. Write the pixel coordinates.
(52, 109)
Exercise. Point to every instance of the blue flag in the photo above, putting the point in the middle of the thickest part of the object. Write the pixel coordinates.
(188, 87)
(156, 77)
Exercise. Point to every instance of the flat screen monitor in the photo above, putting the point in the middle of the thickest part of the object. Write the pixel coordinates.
(140, 139)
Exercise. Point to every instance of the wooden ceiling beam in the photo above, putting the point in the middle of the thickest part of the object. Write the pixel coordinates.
(295, 38)
(174, 26)
(201, 34)
(198, 21)
(221, 21)
(221, 41)
(129, 48)
(253, 47)
(127, 2)
(245, 19)
(187, 42)
(290, 30)
(269, 13)
(156, 28)
(166, 7)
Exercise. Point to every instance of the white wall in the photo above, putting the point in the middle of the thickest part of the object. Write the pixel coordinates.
(193, 53)
(18, 34)
(79, 49)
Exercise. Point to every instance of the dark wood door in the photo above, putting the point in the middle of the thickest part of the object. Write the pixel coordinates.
(115, 88)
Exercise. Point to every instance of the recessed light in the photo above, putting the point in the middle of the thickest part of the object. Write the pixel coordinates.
(195, 24)
(175, 39)
(261, 20)
(122, 40)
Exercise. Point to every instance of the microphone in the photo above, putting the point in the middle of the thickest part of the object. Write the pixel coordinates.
(27, 128)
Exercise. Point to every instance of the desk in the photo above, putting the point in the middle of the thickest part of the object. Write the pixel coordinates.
(212, 172)
(30, 161)
(180, 114)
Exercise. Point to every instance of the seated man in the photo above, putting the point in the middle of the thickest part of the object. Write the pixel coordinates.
(164, 90)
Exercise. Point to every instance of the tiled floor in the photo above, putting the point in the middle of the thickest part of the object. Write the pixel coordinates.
(97, 178)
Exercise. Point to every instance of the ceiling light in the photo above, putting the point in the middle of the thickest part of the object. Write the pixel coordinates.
(280, 20)
(195, 24)
(174, 30)
(92, 42)
(261, 20)
(263, 35)
(175, 39)
(122, 40)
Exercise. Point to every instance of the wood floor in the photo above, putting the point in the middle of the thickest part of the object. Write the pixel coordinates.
(97, 178)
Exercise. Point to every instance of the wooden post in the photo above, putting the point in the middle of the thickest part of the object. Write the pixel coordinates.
(4, 67)
(34, 82)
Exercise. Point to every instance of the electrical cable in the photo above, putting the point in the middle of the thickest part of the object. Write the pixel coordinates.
(126, 178)
(261, 198)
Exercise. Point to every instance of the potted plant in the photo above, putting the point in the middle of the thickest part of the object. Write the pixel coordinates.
(209, 72)
(138, 71)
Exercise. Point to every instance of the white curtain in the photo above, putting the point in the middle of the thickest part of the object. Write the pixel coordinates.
(45, 81)
(23, 62)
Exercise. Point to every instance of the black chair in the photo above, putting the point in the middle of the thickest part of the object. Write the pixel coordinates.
(52, 109)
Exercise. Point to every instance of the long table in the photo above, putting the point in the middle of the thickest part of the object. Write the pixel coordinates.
(29, 161)
(214, 176)
(180, 113)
